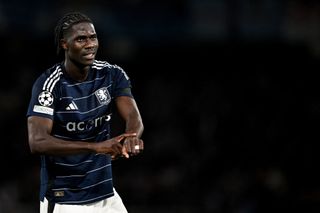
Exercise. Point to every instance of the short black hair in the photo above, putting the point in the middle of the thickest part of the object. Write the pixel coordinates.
(65, 23)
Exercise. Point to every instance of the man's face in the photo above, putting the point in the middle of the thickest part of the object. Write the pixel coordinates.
(81, 44)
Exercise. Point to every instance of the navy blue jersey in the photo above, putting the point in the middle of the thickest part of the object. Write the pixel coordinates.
(80, 112)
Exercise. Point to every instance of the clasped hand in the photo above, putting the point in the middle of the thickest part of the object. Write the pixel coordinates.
(124, 145)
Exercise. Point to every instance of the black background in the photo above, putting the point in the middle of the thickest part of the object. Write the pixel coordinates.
(228, 92)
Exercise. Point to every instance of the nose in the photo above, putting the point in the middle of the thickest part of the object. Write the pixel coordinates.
(91, 43)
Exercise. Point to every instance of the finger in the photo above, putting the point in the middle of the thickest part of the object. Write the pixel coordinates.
(119, 138)
(137, 149)
(133, 134)
(141, 144)
(116, 149)
(124, 152)
(124, 135)
(127, 146)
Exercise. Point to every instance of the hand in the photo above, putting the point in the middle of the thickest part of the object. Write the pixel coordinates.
(113, 145)
(132, 146)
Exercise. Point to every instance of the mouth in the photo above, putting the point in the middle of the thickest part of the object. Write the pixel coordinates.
(89, 56)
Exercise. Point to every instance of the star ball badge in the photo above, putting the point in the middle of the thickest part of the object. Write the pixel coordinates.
(45, 98)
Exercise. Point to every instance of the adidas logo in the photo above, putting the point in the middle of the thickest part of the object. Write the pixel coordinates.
(72, 106)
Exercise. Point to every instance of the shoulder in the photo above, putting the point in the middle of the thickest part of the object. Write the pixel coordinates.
(51, 72)
(111, 69)
(49, 77)
(99, 65)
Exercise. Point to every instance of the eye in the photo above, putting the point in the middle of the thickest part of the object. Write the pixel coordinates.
(93, 37)
(81, 39)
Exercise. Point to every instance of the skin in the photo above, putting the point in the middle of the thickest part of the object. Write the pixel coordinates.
(80, 45)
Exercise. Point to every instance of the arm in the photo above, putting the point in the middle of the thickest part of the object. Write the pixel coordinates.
(41, 142)
(129, 111)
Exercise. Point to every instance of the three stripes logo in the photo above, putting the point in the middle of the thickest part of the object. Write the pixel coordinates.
(52, 80)
(72, 106)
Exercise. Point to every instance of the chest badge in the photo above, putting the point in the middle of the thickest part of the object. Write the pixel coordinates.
(103, 96)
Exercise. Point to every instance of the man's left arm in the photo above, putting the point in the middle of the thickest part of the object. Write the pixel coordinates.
(129, 112)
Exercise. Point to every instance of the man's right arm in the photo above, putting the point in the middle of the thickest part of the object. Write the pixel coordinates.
(41, 141)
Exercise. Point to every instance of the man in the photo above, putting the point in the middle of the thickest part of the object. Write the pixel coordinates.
(69, 119)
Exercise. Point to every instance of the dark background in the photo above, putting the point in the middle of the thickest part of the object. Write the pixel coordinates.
(228, 91)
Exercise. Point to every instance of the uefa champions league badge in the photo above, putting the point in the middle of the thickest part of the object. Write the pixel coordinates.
(45, 98)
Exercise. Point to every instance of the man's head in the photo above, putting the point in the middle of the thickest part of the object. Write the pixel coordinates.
(75, 34)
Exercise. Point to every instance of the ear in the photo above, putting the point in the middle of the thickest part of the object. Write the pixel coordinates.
(63, 44)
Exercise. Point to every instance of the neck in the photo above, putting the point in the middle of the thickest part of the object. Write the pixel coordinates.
(76, 71)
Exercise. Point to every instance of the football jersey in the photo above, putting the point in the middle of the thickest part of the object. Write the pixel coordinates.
(81, 111)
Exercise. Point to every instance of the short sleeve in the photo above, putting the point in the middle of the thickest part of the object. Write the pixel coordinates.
(42, 101)
(122, 84)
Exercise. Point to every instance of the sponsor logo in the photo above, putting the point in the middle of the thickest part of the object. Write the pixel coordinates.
(87, 125)
(45, 98)
(103, 96)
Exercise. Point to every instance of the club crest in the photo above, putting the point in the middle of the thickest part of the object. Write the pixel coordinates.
(103, 96)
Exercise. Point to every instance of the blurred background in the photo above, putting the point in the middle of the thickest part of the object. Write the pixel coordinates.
(228, 91)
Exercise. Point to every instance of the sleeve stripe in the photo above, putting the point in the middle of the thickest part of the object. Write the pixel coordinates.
(52, 76)
(55, 81)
